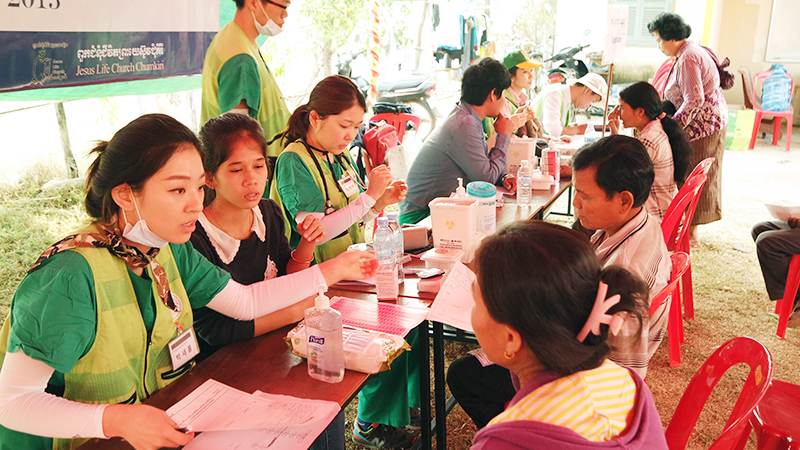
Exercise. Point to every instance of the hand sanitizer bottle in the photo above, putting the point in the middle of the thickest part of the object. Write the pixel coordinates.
(324, 340)
(461, 192)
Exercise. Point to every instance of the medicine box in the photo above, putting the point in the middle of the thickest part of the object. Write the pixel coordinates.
(518, 150)
(453, 221)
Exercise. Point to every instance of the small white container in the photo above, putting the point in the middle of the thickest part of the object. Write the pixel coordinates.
(453, 221)
(441, 258)
(520, 149)
(486, 195)
(541, 182)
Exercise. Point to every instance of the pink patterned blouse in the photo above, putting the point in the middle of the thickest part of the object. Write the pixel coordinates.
(693, 87)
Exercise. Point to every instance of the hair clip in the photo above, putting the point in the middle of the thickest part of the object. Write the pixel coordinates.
(598, 314)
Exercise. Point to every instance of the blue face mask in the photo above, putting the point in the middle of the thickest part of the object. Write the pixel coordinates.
(140, 233)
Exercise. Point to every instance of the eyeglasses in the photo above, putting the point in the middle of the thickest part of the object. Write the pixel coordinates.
(277, 4)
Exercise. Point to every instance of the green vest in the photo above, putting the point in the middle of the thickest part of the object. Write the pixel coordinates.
(538, 103)
(272, 112)
(335, 246)
(123, 365)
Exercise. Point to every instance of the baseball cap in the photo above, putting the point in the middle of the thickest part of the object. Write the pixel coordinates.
(594, 82)
(519, 59)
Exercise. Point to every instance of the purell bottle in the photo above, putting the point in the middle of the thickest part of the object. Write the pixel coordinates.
(324, 340)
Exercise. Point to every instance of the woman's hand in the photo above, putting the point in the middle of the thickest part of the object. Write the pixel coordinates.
(144, 427)
(522, 115)
(379, 178)
(394, 193)
(350, 265)
(311, 229)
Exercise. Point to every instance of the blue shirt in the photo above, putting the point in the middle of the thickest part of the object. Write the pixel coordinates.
(456, 150)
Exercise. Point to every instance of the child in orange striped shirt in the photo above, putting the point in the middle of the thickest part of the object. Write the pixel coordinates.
(550, 331)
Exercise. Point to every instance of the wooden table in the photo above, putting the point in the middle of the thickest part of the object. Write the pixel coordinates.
(263, 363)
(541, 202)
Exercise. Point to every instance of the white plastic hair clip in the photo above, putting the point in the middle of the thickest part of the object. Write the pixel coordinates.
(599, 314)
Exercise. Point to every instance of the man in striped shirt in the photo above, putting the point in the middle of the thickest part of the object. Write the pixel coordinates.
(612, 180)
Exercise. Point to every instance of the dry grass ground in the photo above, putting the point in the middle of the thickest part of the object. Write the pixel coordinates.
(729, 296)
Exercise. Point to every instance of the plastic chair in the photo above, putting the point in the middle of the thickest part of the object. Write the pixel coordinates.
(680, 263)
(775, 418)
(737, 350)
(398, 121)
(784, 305)
(675, 227)
(760, 113)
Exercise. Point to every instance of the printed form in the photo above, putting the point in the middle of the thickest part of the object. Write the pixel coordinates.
(231, 419)
(453, 304)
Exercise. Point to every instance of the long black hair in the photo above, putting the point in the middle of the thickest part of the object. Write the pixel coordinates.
(541, 279)
(644, 95)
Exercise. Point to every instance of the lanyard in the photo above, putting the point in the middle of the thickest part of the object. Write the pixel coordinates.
(328, 206)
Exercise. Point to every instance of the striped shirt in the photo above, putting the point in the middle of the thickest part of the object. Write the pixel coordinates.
(596, 404)
(693, 87)
(639, 247)
(664, 188)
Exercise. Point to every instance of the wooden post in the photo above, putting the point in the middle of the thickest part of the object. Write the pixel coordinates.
(69, 158)
(608, 94)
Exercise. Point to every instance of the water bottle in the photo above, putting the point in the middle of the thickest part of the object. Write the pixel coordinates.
(384, 246)
(399, 250)
(777, 91)
(324, 340)
(524, 184)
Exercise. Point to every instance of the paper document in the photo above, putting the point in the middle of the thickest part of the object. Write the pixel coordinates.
(280, 438)
(453, 304)
(215, 406)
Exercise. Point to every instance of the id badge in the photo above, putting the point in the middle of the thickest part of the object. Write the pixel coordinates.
(183, 348)
(348, 185)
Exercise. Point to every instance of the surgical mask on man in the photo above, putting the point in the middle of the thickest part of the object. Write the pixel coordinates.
(140, 233)
(270, 28)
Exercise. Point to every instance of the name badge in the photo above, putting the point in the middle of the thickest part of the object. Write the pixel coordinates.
(349, 186)
(183, 348)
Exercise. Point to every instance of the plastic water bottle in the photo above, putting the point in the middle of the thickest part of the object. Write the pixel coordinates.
(777, 92)
(524, 184)
(399, 249)
(384, 246)
(324, 340)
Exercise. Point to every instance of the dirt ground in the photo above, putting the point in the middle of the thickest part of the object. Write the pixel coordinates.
(729, 296)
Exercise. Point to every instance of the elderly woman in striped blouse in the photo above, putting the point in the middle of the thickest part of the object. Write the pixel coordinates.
(550, 331)
(693, 85)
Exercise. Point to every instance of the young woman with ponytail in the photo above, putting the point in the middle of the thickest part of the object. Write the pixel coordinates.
(640, 108)
(315, 174)
(551, 330)
(87, 339)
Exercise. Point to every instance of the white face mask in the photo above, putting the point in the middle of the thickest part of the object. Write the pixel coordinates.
(140, 233)
(270, 29)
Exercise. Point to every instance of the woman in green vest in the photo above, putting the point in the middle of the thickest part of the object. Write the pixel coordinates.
(87, 337)
(316, 175)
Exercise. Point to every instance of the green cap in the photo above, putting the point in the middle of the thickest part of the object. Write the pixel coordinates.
(519, 59)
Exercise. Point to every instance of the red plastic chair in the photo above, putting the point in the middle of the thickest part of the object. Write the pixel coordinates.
(675, 227)
(775, 418)
(760, 113)
(737, 350)
(680, 263)
(398, 121)
(784, 305)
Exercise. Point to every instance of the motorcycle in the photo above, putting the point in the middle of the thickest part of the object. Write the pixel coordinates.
(570, 67)
(412, 91)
